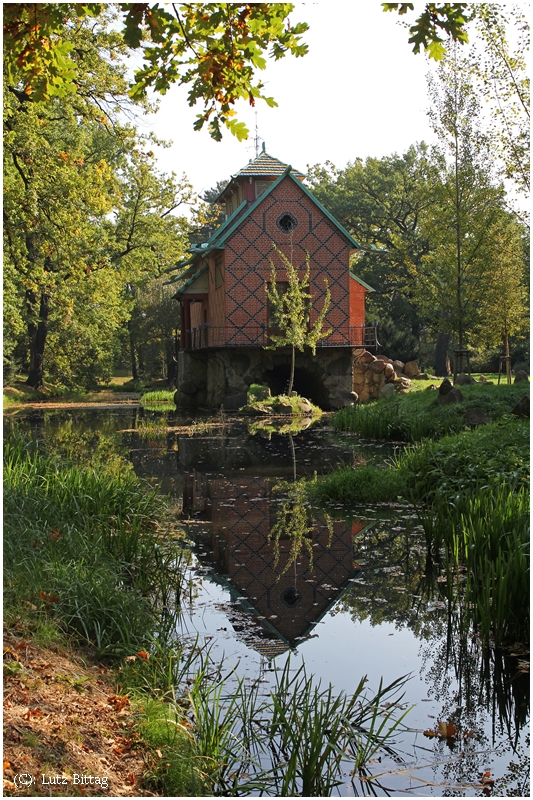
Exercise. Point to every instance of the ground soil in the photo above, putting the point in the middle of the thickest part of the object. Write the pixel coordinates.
(62, 719)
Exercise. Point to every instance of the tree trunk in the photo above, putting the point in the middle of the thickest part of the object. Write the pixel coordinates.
(291, 380)
(134, 373)
(442, 360)
(507, 358)
(171, 361)
(37, 334)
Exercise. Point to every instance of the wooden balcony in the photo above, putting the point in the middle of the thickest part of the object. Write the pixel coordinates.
(207, 337)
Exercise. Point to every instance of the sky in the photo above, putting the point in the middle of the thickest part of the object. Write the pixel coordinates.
(360, 91)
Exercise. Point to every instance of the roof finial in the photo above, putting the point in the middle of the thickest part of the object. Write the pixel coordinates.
(264, 149)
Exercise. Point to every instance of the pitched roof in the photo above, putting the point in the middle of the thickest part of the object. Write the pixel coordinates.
(265, 165)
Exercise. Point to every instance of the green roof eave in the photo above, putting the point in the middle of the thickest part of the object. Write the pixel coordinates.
(359, 280)
(252, 207)
(179, 265)
(183, 274)
(190, 281)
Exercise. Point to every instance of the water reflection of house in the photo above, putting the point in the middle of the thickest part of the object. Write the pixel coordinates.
(240, 513)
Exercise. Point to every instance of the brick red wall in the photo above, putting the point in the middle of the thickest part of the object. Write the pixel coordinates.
(248, 250)
(357, 303)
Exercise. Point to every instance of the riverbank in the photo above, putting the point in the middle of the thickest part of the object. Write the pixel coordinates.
(91, 564)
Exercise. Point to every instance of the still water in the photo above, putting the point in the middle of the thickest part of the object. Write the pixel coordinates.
(355, 598)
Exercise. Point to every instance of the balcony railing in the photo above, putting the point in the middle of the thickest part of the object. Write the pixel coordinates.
(211, 336)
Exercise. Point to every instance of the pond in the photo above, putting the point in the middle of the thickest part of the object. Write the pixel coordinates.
(355, 598)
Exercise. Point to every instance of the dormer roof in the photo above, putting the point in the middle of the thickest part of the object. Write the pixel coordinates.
(266, 166)
(262, 166)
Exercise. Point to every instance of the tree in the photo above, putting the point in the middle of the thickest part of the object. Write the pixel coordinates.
(292, 310)
(501, 73)
(85, 215)
(504, 308)
(455, 275)
(215, 48)
(382, 202)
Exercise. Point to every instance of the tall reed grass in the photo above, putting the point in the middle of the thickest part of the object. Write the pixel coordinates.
(81, 545)
(485, 536)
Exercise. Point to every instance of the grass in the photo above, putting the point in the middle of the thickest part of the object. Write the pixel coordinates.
(161, 397)
(416, 415)
(485, 536)
(80, 545)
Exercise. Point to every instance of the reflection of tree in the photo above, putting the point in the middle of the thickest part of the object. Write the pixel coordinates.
(390, 587)
(294, 522)
(398, 584)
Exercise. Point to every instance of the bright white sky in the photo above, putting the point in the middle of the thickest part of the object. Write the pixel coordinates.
(359, 92)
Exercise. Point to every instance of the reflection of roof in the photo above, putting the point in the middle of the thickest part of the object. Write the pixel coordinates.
(270, 649)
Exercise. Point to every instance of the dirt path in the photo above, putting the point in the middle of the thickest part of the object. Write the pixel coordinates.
(65, 730)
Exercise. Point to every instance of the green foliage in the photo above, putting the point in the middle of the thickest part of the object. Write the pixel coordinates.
(293, 310)
(499, 65)
(447, 18)
(213, 48)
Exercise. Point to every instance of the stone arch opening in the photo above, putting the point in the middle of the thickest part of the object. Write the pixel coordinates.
(306, 383)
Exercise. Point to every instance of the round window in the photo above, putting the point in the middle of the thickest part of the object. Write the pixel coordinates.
(291, 597)
(287, 222)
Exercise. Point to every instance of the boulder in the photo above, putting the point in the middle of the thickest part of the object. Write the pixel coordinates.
(343, 399)
(411, 369)
(521, 409)
(304, 407)
(387, 391)
(359, 378)
(422, 376)
(402, 383)
(389, 370)
(282, 408)
(398, 366)
(454, 396)
(378, 365)
(476, 416)
(446, 386)
(464, 380)
(482, 379)
(366, 357)
(520, 375)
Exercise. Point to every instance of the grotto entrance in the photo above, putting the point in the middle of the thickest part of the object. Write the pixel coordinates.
(306, 384)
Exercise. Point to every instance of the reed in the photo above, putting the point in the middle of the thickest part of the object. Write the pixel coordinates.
(81, 546)
(485, 536)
